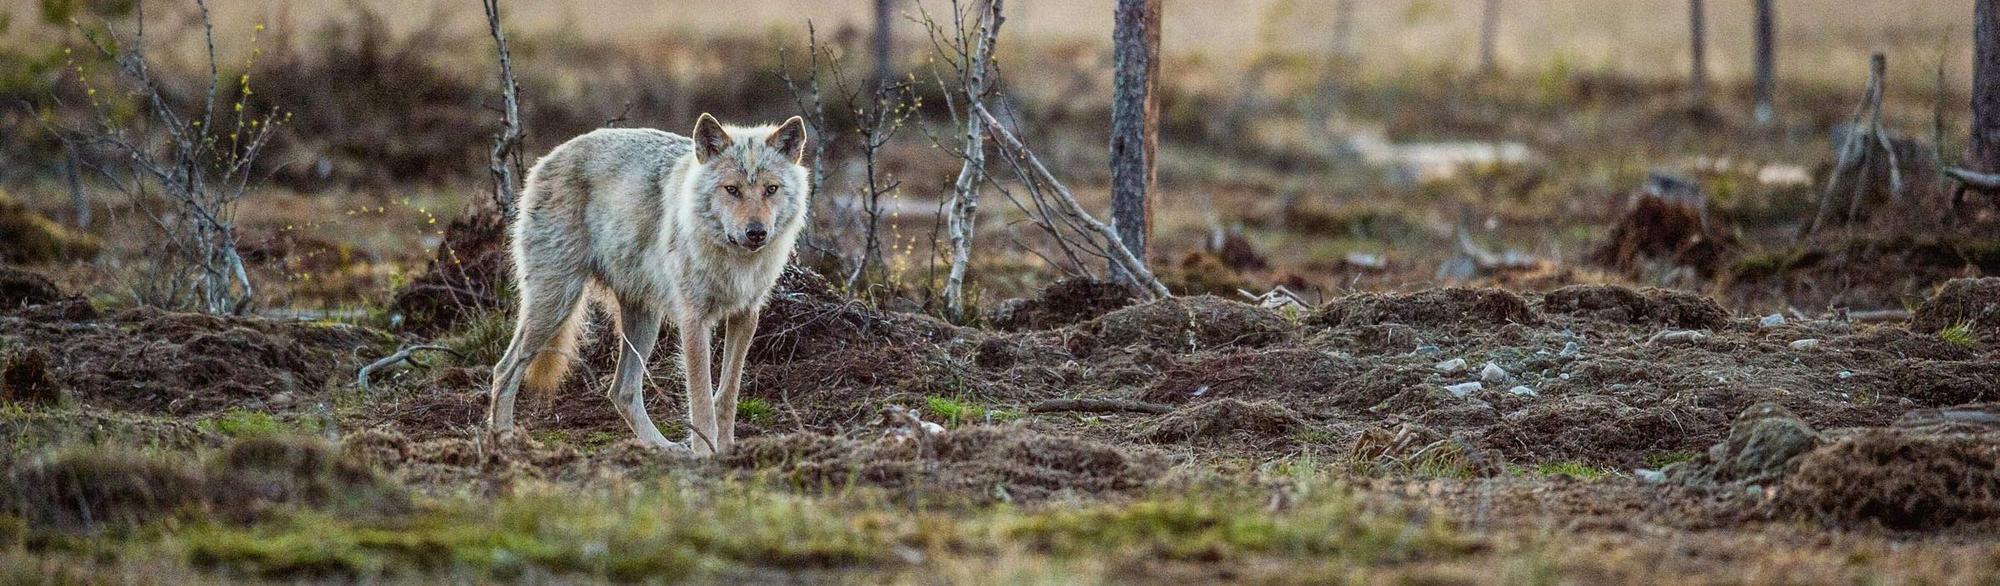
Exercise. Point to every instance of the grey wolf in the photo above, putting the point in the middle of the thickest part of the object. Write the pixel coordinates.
(653, 226)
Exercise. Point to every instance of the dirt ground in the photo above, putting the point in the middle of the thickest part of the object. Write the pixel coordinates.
(1643, 418)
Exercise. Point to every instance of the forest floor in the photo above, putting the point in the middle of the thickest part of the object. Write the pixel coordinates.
(1615, 435)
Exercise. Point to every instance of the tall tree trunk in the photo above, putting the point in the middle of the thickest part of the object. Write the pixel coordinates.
(1135, 124)
(1343, 28)
(1767, 60)
(884, 49)
(1489, 38)
(1983, 150)
(972, 170)
(1698, 45)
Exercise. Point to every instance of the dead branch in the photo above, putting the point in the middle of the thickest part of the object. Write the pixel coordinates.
(1114, 246)
(1099, 406)
(505, 160)
(405, 354)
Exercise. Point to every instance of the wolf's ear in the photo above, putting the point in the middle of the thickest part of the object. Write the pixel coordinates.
(709, 138)
(790, 138)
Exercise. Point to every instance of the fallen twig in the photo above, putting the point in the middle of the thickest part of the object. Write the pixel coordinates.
(1099, 406)
(406, 354)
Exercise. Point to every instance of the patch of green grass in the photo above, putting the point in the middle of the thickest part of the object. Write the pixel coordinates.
(959, 411)
(248, 423)
(1658, 460)
(1960, 334)
(756, 411)
(484, 339)
(1572, 469)
(1221, 526)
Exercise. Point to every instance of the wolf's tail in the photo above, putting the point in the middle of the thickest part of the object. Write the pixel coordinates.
(547, 369)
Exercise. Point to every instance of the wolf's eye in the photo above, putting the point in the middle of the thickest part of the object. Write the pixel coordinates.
(732, 190)
(770, 190)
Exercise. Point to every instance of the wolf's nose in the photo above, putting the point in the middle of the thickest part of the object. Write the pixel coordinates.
(755, 234)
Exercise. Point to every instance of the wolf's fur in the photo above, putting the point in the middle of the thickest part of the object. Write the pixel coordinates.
(644, 220)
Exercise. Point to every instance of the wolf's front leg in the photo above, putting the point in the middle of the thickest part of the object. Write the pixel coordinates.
(736, 335)
(695, 336)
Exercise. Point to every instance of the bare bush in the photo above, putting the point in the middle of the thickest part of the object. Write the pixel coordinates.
(185, 166)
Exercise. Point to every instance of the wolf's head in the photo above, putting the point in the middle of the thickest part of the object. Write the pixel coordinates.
(747, 184)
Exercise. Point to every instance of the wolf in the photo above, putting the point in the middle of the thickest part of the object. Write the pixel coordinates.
(653, 226)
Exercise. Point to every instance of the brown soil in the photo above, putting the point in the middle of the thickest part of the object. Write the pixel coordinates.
(465, 278)
(1261, 422)
(1065, 302)
(1581, 375)
(24, 378)
(1675, 232)
(1974, 303)
(149, 361)
(19, 288)
(95, 490)
(1858, 274)
(1900, 479)
(1453, 307)
(1666, 307)
(978, 464)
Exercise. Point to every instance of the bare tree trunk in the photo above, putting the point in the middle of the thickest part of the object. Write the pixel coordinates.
(505, 160)
(1489, 38)
(79, 201)
(1698, 45)
(1343, 28)
(884, 43)
(1135, 125)
(1983, 150)
(1767, 64)
(965, 191)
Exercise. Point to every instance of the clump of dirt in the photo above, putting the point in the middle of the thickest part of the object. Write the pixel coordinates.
(1237, 252)
(807, 318)
(1762, 441)
(19, 288)
(1899, 479)
(1598, 428)
(1419, 450)
(1857, 273)
(29, 238)
(1260, 421)
(972, 464)
(1943, 383)
(1667, 223)
(1201, 273)
(464, 279)
(1651, 306)
(1065, 302)
(24, 378)
(153, 361)
(99, 489)
(1299, 376)
(258, 475)
(1432, 308)
(1185, 324)
(110, 488)
(1974, 303)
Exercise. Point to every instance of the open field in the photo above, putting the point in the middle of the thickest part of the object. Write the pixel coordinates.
(1505, 363)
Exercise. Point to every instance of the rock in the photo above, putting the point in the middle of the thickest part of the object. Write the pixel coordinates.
(1771, 321)
(1570, 349)
(1524, 390)
(1674, 336)
(1805, 345)
(1460, 390)
(1493, 374)
(1450, 366)
(1764, 438)
(1650, 476)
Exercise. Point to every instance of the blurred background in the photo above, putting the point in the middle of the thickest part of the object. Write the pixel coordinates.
(1321, 146)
